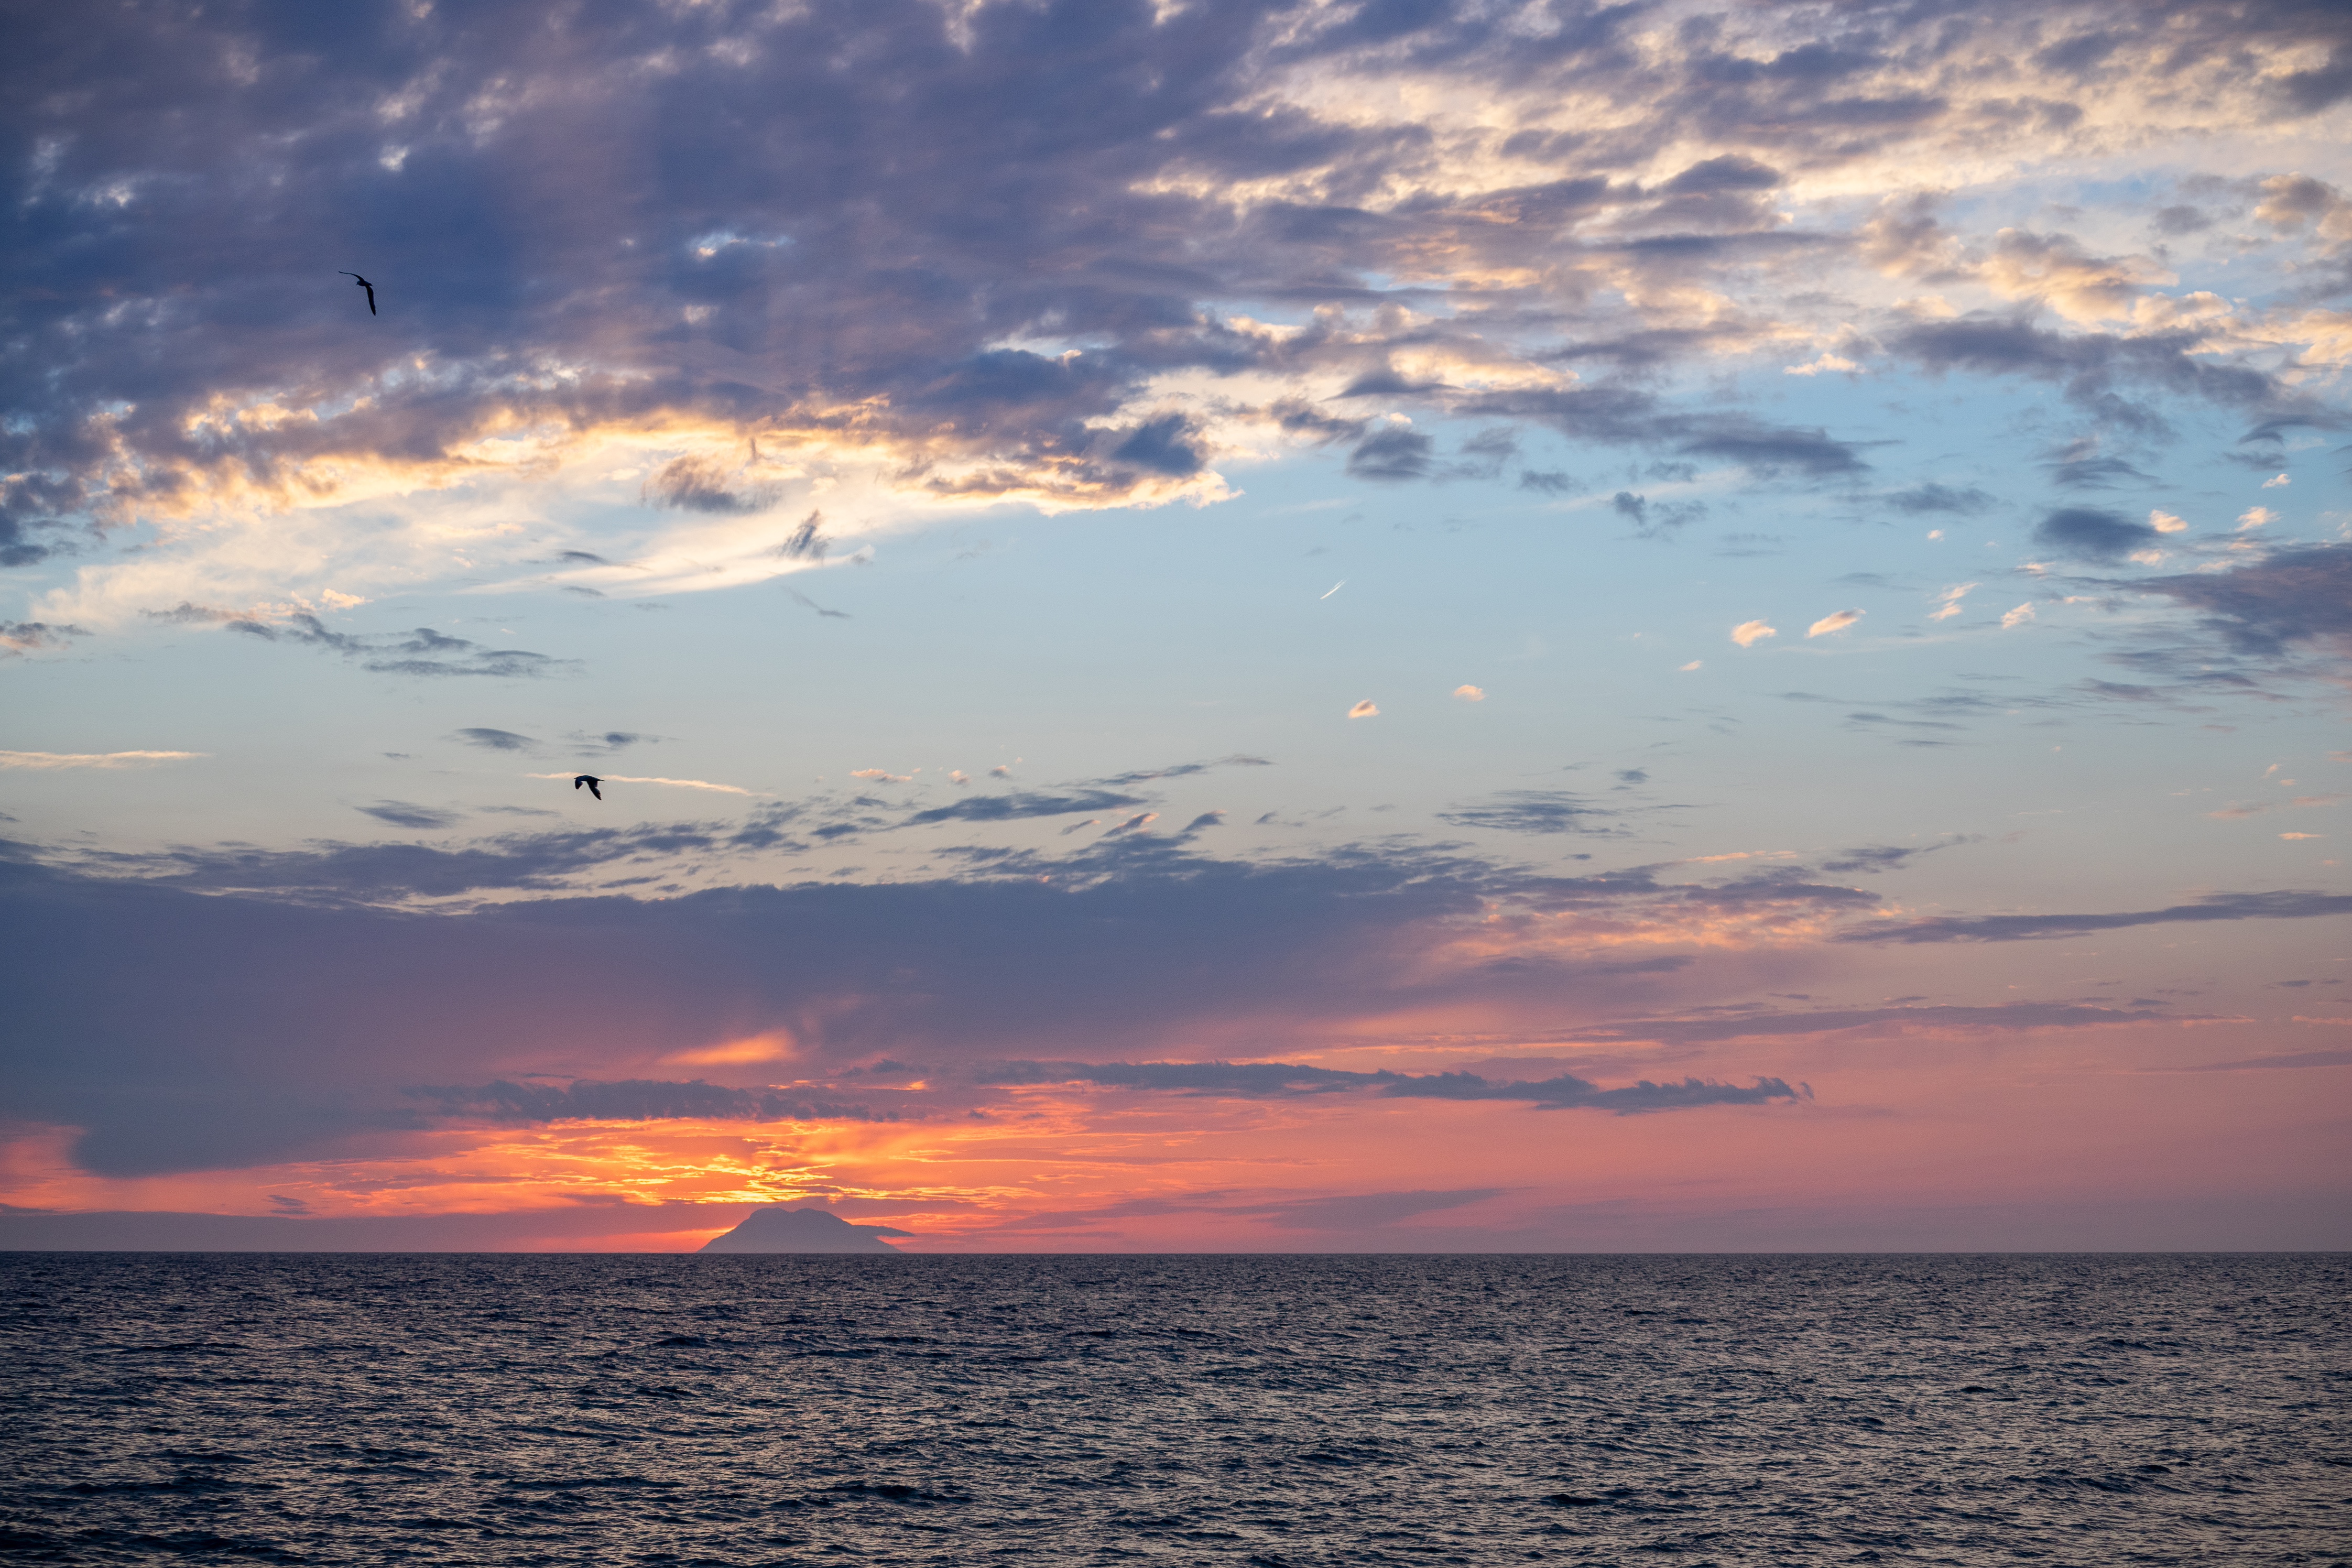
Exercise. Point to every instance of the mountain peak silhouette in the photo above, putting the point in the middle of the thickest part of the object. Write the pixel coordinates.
(776, 1228)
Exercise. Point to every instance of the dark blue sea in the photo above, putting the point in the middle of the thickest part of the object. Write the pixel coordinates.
(1211, 1410)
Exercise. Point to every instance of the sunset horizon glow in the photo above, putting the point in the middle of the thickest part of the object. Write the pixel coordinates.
(1204, 626)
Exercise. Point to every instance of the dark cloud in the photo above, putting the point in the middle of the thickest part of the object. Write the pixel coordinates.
(496, 739)
(2087, 533)
(1391, 456)
(1551, 483)
(1893, 1019)
(1931, 497)
(2278, 906)
(703, 484)
(1163, 447)
(400, 814)
(806, 543)
(1655, 519)
(277, 1009)
(1620, 416)
(1024, 804)
(2090, 472)
(2290, 597)
(25, 637)
(1277, 1080)
(185, 613)
(729, 227)
(1178, 771)
(1535, 811)
(2094, 368)
(1729, 172)
(423, 652)
(637, 1099)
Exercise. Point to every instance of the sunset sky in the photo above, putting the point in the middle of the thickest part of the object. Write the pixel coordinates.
(1506, 626)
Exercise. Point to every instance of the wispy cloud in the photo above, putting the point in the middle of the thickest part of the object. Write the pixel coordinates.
(674, 784)
(1282, 1081)
(92, 759)
(2285, 905)
(1836, 621)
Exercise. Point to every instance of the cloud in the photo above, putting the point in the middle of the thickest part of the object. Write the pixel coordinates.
(92, 759)
(880, 775)
(1470, 694)
(2095, 368)
(1534, 811)
(634, 1100)
(25, 636)
(2087, 533)
(1284, 1080)
(1931, 497)
(1391, 456)
(400, 814)
(1397, 177)
(2289, 1059)
(1367, 709)
(2164, 522)
(806, 543)
(496, 739)
(1835, 621)
(673, 783)
(2256, 517)
(2285, 905)
(1174, 771)
(1099, 953)
(423, 652)
(1890, 1021)
(702, 484)
(2290, 597)
(1748, 633)
(805, 602)
(1020, 805)
(1948, 600)
(2278, 482)
(2013, 619)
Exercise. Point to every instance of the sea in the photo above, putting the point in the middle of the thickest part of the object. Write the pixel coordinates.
(1275, 1411)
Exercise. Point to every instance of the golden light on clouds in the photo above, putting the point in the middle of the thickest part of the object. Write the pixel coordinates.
(773, 1046)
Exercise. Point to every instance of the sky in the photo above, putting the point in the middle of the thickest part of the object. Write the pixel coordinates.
(1385, 626)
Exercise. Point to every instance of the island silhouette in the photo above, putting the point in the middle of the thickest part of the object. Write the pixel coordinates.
(776, 1228)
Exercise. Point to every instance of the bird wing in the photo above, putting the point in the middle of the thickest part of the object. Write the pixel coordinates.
(594, 791)
(371, 289)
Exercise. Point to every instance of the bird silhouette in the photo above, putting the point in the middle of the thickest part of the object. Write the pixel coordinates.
(363, 283)
(592, 781)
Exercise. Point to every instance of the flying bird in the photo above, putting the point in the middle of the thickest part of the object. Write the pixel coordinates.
(592, 781)
(363, 283)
